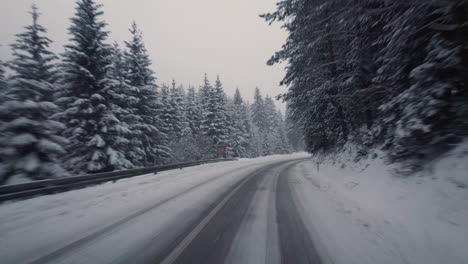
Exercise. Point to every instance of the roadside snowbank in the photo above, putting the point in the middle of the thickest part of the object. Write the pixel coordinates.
(361, 213)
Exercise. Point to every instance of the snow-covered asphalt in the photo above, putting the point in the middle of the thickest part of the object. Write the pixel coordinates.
(232, 212)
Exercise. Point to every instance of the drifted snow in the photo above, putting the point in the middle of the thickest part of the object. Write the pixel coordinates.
(362, 214)
(23, 139)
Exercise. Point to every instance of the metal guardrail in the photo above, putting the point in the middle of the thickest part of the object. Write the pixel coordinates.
(30, 189)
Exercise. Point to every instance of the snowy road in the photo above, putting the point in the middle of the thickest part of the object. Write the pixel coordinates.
(279, 209)
(232, 212)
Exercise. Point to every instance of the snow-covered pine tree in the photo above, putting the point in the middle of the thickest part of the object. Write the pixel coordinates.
(192, 145)
(294, 133)
(30, 141)
(208, 102)
(124, 104)
(282, 145)
(3, 82)
(432, 112)
(221, 124)
(166, 111)
(185, 122)
(3, 91)
(244, 115)
(177, 110)
(153, 139)
(91, 125)
(214, 123)
(317, 73)
(259, 117)
(260, 145)
(253, 146)
(238, 98)
(400, 52)
(194, 111)
(204, 92)
(272, 126)
(239, 133)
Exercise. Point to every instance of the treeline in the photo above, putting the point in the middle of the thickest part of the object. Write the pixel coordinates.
(97, 108)
(376, 72)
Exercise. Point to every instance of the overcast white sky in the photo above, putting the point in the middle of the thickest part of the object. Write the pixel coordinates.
(185, 38)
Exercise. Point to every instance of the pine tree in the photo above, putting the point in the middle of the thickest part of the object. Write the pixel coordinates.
(178, 121)
(259, 117)
(3, 93)
(260, 125)
(294, 133)
(3, 82)
(122, 94)
(153, 140)
(166, 112)
(220, 121)
(281, 144)
(239, 133)
(271, 133)
(432, 110)
(214, 122)
(194, 111)
(245, 116)
(29, 140)
(208, 107)
(205, 92)
(185, 119)
(92, 127)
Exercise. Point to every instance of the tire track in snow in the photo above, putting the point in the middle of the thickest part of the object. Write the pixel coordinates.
(295, 242)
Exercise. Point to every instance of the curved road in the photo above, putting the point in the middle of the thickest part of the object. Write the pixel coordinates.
(252, 217)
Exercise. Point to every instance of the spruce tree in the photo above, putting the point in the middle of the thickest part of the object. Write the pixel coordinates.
(122, 94)
(247, 128)
(30, 143)
(177, 106)
(221, 125)
(194, 111)
(294, 133)
(239, 132)
(259, 117)
(205, 92)
(271, 133)
(214, 123)
(3, 82)
(166, 111)
(208, 107)
(92, 127)
(281, 145)
(153, 140)
(259, 142)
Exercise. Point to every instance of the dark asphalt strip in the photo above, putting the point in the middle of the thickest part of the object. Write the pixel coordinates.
(295, 242)
(212, 244)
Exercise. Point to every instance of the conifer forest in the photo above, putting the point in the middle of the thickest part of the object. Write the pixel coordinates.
(98, 107)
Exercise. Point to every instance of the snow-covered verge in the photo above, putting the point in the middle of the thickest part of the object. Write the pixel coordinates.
(363, 213)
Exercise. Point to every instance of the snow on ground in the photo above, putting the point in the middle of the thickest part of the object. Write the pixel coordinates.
(32, 228)
(357, 213)
(360, 213)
